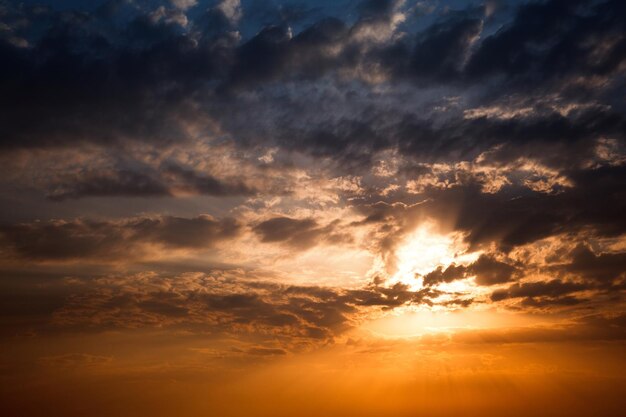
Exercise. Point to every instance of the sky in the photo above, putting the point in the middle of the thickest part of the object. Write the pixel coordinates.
(312, 208)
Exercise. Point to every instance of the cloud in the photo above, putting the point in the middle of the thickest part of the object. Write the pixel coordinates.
(441, 51)
(490, 271)
(504, 128)
(120, 183)
(296, 316)
(299, 233)
(554, 289)
(604, 268)
(554, 39)
(126, 239)
(596, 327)
(441, 275)
(486, 269)
(516, 216)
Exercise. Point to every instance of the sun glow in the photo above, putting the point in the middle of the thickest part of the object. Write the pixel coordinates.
(424, 250)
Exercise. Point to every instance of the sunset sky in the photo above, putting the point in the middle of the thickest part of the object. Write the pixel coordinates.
(298, 208)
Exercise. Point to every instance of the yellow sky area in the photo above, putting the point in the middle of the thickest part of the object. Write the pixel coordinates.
(424, 320)
(162, 375)
(425, 249)
(354, 264)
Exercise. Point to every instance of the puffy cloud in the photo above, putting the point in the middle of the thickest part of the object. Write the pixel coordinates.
(226, 304)
(605, 268)
(486, 269)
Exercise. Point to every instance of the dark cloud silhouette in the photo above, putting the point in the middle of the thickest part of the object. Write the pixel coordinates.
(441, 275)
(299, 233)
(146, 79)
(442, 49)
(490, 271)
(85, 239)
(121, 183)
(516, 215)
(486, 269)
(295, 315)
(554, 289)
(554, 39)
(604, 268)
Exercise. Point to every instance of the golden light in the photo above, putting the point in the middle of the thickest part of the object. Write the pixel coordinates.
(421, 252)
(424, 250)
(412, 322)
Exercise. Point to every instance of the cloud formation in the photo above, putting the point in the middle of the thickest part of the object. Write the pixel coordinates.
(255, 180)
(123, 240)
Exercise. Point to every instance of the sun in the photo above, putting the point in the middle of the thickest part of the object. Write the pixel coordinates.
(424, 250)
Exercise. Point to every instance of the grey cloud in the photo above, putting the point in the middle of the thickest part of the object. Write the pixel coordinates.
(604, 268)
(120, 183)
(91, 240)
(490, 271)
(442, 49)
(144, 182)
(554, 289)
(441, 275)
(517, 215)
(296, 316)
(486, 269)
(149, 88)
(298, 233)
(553, 39)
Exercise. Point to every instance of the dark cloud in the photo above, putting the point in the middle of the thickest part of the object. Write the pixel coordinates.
(142, 180)
(191, 181)
(604, 268)
(91, 240)
(441, 51)
(299, 233)
(553, 289)
(295, 231)
(120, 183)
(79, 85)
(515, 137)
(294, 315)
(266, 351)
(554, 39)
(376, 8)
(394, 296)
(486, 269)
(515, 215)
(490, 271)
(147, 78)
(441, 275)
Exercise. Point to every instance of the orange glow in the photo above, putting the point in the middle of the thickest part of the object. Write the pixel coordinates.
(424, 250)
